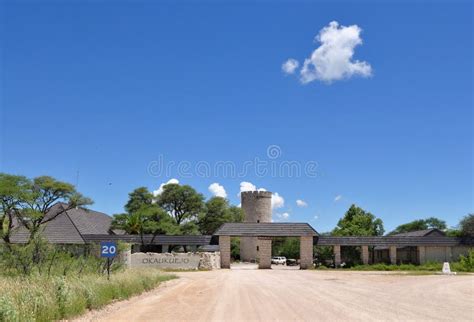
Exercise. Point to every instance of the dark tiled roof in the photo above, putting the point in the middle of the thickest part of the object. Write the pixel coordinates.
(266, 229)
(421, 233)
(148, 239)
(61, 230)
(90, 221)
(67, 227)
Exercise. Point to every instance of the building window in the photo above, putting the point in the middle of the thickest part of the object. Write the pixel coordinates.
(257, 248)
(258, 221)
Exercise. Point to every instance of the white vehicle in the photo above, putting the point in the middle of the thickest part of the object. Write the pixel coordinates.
(279, 260)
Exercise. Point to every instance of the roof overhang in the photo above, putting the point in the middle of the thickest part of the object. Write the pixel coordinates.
(152, 240)
(266, 230)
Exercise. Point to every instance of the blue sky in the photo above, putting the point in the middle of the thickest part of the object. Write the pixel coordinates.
(104, 90)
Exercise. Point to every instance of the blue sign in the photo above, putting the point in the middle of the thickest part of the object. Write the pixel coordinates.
(108, 249)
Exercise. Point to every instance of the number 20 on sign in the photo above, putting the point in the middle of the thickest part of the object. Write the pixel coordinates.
(108, 249)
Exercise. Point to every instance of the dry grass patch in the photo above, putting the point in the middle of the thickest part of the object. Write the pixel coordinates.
(38, 298)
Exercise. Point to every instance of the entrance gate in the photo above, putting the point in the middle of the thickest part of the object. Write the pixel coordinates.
(264, 232)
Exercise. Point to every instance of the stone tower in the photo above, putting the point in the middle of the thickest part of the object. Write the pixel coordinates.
(257, 207)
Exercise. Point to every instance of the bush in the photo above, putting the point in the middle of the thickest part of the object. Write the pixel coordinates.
(432, 267)
(466, 263)
(40, 258)
(40, 298)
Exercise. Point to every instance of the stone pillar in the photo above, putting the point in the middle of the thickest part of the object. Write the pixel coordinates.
(306, 252)
(224, 247)
(421, 255)
(126, 256)
(165, 248)
(264, 252)
(337, 255)
(393, 254)
(365, 254)
(449, 254)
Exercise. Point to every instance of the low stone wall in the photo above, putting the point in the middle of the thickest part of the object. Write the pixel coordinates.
(179, 261)
(210, 260)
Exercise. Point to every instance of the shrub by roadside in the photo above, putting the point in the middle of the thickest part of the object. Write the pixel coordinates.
(465, 264)
(428, 267)
(431, 267)
(36, 298)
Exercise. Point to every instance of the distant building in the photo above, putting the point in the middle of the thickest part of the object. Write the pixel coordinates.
(411, 254)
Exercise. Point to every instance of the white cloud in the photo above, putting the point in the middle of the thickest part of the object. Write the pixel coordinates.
(333, 59)
(290, 66)
(316, 217)
(217, 190)
(337, 198)
(301, 203)
(281, 217)
(159, 191)
(247, 186)
(277, 200)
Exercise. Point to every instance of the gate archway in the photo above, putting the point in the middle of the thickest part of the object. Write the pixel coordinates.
(264, 232)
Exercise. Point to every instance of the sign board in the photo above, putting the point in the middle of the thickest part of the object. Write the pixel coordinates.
(166, 261)
(108, 249)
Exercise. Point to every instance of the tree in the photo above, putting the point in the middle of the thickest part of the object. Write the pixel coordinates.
(138, 198)
(467, 226)
(13, 191)
(143, 216)
(236, 213)
(44, 194)
(33, 203)
(183, 203)
(420, 224)
(146, 220)
(357, 222)
(217, 212)
(286, 246)
(436, 223)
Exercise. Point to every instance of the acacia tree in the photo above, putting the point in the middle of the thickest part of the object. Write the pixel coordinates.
(33, 203)
(45, 193)
(420, 224)
(13, 190)
(183, 203)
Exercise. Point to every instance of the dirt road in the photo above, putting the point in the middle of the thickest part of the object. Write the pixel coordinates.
(261, 295)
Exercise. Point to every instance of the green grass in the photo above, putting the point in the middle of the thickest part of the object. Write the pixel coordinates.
(37, 298)
(428, 267)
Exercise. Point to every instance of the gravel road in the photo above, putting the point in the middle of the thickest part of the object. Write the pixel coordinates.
(262, 295)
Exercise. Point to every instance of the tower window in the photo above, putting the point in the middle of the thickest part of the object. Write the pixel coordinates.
(257, 248)
(258, 221)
